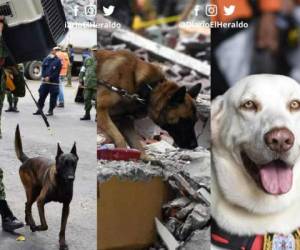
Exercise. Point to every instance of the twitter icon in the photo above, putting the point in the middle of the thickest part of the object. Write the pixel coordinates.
(108, 11)
(228, 11)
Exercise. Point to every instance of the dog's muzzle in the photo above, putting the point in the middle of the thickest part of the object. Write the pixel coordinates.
(275, 176)
(279, 140)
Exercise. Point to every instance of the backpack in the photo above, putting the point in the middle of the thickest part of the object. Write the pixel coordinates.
(14, 79)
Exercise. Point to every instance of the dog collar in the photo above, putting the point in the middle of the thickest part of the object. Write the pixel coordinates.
(142, 95)
(146, 89)
(226, 240)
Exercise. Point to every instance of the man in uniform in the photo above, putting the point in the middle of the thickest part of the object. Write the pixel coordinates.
(88, 78)
(71, 58)
(50, 82)
(9, 221)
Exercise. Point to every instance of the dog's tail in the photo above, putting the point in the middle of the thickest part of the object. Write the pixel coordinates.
(18, 146)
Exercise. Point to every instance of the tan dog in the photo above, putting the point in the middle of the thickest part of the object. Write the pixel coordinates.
(171, 107)
(45, 181)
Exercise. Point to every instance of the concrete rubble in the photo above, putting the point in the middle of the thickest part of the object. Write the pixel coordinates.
(188, 174)
(187, 215)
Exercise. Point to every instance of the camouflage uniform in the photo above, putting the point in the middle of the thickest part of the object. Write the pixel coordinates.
(3, 54)
(88, 75)
(69, 73)
(12, 99)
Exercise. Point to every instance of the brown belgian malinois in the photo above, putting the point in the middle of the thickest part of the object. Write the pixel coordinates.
(45, 181)
(171, 107)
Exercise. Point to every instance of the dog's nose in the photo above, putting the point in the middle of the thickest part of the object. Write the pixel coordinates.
(279, 139)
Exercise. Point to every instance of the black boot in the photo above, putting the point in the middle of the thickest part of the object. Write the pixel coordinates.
(10, 109)
(50, 113)
(15, 107)
(86, 117)
(9, 221)
(37, 112)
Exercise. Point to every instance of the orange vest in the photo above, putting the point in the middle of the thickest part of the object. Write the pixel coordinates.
(64, 58)
(243, 9)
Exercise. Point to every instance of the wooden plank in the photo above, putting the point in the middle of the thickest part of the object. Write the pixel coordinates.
(163, 51)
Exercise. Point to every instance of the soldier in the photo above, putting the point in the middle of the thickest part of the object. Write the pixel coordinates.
(71, 58)
(9, 221)
(88, 78)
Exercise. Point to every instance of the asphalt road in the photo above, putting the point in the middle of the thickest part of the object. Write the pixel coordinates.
(37, 141)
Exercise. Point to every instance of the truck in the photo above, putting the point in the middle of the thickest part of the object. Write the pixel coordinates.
(81, 37)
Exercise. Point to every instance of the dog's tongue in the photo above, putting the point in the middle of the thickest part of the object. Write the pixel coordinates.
(276, 177)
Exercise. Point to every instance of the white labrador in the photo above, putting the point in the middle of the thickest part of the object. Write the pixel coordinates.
(256, 164)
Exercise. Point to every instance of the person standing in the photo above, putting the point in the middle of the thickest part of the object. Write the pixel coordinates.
(64, 58)
(88, 78)
(70, 51)
(86, 54)
(9, 221)
(51, 68)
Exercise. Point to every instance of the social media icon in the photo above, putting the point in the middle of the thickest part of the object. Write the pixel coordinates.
(91, 10)
(197, 9)
(211, 10)
(108, 11)
(228, 11)
(76, 10)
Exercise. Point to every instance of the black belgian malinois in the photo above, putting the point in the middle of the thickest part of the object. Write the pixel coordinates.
(45, 181)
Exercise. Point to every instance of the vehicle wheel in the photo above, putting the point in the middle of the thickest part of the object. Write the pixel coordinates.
(35, 70)
(26, 70)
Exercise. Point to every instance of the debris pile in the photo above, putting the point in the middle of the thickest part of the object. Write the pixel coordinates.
(188, 174)
(189, 213)
(187, 216)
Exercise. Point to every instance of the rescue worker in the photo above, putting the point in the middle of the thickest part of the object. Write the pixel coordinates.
(233, 48)
(9, 221)
(88, 78)
(50, 82)
(64, 58)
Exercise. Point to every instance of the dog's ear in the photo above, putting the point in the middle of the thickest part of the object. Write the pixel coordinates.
(59, 151)
(217, 110)
(74, 150)
(178, 97)
(195, 90)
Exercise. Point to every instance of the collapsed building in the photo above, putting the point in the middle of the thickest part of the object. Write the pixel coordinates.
(143, 206)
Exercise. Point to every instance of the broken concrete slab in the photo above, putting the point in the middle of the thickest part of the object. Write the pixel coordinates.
(196, 220)
(199, 240)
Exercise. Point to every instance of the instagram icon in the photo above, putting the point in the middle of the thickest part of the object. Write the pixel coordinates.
(211, 10)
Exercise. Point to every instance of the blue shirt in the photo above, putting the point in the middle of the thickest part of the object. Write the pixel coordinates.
(51, 68)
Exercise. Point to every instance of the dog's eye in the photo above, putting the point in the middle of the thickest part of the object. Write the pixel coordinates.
(249, 105)
(294, 105)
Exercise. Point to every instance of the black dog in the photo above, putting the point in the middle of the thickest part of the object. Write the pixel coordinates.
(45, 181)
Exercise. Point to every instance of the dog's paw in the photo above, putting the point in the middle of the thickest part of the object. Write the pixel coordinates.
(63, 247)
(33, 228)
(27, 221)
(41, 228)
(149, 159)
